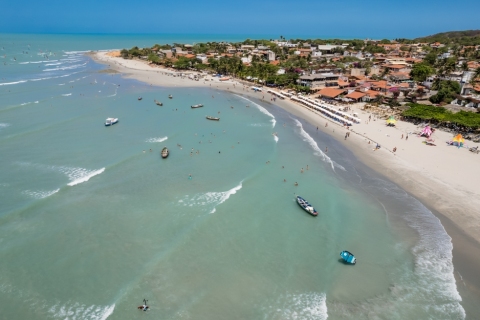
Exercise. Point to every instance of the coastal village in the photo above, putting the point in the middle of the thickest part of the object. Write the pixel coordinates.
(390, 74)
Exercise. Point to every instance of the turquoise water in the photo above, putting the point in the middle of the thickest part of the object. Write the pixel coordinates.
(92, 221)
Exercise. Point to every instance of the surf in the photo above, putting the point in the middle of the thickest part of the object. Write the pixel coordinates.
(318, 152)
(262, 110)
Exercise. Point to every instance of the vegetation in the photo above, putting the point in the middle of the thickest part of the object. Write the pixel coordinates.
(447, 91)
(466, 38)
(421, 71)
(442, 115)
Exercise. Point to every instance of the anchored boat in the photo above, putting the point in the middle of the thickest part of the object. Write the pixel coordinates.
(348, 257)
(140, 98)
(306, 206)
(110, 121)
(170, 96)
(213, 118)
(164, 153)
(158, 103)
(196, 106)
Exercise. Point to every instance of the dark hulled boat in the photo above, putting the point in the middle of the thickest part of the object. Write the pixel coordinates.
(306, 206)
(164, 153)
(213, 118)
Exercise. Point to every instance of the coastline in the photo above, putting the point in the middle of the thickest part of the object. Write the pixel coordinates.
(442, 177)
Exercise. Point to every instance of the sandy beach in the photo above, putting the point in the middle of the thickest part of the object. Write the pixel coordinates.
(443, 177)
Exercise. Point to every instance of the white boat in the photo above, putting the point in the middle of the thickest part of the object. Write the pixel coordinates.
(111, 121)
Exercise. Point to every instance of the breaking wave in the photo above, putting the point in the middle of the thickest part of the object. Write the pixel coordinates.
(304, 306)
(75, 175)
(314, 145)
(262, 110)
(210, 200)
(66, 94)
(4, 125)
(156, 139)
(40, 194)
(79, 311)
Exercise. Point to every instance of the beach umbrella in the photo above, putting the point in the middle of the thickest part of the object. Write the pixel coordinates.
(458, 140)
(391, 120)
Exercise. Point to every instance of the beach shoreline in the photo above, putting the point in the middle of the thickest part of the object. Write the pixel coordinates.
(442, 177)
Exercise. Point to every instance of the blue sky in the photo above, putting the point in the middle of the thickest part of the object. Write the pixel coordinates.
(320, 19)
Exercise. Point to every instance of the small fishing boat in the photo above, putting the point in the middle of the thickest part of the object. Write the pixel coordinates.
(348, 257)
(306, 206)
(164, 153)
(110, 121)
(170, 96)
(140, 98)
(158, 103)
(213, 118)
(196, 106)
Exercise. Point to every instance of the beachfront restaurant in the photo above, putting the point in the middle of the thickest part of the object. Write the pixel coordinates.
(318, 81)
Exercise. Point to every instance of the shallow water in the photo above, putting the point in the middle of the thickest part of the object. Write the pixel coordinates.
(92, 221)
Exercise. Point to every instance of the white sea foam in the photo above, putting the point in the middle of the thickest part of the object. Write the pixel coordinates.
(156, 139)
(40, 194)
(10, 83)
(4, 125)
(79, 175)
(36, 101)
(76, 66)
(28, 62)
(66, 94)
(304, 306)
(38, 79)
(314, 145)
(75, 175)
(77, 311)
(424, 289)
(113, 95)
(275, 137)
(262, 110)
(209, 200)
(53, 64)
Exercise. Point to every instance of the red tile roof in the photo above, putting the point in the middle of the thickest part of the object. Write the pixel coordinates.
(355, 95)
(331, 92)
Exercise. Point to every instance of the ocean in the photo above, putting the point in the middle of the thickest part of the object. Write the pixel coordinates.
(93, 220)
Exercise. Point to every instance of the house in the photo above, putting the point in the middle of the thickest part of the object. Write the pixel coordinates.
(271, 55)
(319, 80)
(398, 68)
(328, 49)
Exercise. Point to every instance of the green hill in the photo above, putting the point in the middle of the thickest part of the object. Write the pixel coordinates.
(467, 37)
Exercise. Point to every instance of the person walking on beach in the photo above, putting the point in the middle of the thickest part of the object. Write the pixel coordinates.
(402, 136)
(406, 138)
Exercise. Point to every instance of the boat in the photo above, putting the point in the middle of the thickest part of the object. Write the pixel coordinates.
(158, 103)
(348, 257)
(110, 121)
(306, 206)
(164, 153)
(196, 106)
(213, 118)
(170, 96)
(140, 98)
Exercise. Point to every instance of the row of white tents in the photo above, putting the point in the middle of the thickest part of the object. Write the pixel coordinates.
(328, 111)
(278, 94)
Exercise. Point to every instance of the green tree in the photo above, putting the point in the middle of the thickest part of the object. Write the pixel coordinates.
(430, 58)
(153, 58)
(447, 91)
(421, 71)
